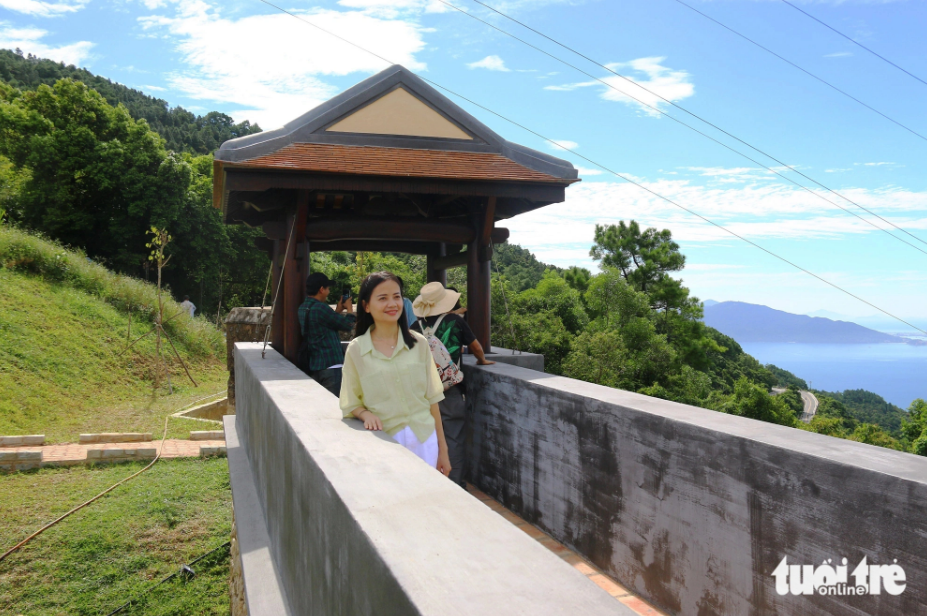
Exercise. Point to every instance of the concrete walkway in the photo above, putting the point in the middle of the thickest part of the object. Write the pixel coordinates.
(73, 453)
(604, 582)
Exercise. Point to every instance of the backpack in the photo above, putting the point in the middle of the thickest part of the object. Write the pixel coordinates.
(448, 371)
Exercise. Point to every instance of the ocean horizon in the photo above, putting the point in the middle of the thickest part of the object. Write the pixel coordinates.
(897, 372)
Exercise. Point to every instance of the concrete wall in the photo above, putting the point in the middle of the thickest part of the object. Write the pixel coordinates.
(335, 520)
(691, 508)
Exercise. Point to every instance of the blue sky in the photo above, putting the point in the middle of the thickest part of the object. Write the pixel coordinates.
(247, 59)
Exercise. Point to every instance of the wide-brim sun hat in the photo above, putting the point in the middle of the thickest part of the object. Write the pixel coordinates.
(433, 300)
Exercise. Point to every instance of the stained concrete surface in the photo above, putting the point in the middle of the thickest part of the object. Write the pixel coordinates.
(692, 508)
(358, 525)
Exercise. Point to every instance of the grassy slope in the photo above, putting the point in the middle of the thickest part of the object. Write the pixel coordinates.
(119, 546)
(63, 323)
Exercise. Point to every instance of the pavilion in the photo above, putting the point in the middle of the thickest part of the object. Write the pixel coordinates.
(389, 165)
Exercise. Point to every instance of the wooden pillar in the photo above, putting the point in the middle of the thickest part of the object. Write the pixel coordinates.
(294, 276)
(432, 273)
(291, 297)
(479, 290)
(276, 327)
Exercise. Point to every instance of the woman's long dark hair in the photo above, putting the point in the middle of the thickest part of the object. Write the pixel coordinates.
(365, 321)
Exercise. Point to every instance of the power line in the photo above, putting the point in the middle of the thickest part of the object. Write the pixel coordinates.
(805, 71)
(696, 116)
(855, 42)
(601, 166)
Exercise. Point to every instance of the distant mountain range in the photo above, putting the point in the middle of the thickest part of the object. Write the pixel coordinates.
(754, 323)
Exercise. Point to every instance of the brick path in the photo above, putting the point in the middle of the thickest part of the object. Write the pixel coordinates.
(607, 584)
(73, 453)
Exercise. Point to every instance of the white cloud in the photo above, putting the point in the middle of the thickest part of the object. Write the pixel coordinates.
(272, 65)
(583, 171)
(392, 8)
(29, 41)
(839, 54)
(882, 164)
(562, 233)
(38, 8)
(490, 63)
(660, 82)
(152, 88)
(558, 145)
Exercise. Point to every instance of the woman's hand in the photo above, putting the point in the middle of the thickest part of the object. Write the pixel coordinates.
(371, 421)
(444, 462)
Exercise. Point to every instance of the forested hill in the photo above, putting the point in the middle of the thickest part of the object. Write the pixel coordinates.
(183, 131)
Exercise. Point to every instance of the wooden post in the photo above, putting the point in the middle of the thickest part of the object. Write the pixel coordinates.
(276, 327)
(291, 297)
(479, 290)
(432, 272)
(294, 277)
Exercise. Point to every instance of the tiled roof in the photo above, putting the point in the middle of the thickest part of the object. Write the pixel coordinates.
(368, 160)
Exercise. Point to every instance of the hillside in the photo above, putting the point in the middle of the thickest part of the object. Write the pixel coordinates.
(183, 131)
(63, 326)
(754, 323)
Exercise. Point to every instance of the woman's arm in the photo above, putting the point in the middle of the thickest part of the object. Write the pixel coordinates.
(444, 460)
(371, 421)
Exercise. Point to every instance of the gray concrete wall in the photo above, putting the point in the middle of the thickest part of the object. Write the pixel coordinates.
(355, 524)
(692, 508)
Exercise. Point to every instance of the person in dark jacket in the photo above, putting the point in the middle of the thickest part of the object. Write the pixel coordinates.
(320, 326)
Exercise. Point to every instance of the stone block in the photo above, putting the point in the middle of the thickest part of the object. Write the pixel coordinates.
(28, 440)
(207, 435)
(30, 455)
(8, 456)
(116, 437)
(212, 451)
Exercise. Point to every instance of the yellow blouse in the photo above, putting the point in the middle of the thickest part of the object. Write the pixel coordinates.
(399, 389)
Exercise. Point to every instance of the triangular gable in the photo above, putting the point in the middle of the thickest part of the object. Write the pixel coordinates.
(399, 113)
(395, 109)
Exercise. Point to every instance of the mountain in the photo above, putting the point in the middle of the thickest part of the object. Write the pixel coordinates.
(710, 302)
(754, 323)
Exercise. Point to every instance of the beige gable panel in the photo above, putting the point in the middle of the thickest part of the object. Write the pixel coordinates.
(399, 113)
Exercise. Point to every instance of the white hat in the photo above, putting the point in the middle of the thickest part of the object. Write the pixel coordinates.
(434, 300)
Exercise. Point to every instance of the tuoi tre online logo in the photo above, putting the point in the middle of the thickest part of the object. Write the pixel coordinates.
(826, 579)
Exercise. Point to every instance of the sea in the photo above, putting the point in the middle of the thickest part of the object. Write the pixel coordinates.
(897, 372)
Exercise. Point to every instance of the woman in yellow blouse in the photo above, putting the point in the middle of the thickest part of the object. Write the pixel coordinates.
(389, 377)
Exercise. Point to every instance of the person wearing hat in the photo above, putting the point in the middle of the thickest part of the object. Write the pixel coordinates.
(320, 326)
(453, 331)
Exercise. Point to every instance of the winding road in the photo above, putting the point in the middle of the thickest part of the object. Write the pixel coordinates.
(811, 403)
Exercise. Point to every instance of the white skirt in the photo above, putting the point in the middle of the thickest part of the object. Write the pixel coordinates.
(427, 451)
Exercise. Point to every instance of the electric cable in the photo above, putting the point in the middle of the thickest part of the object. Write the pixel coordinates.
(186, 568)
(104, 492)
(698, 117)
(601, 166)
(855, 42)
(805, 71)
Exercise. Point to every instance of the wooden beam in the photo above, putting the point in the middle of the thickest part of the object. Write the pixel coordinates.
(372, 228)
(412, 248)
(454, 260)
(254, 180)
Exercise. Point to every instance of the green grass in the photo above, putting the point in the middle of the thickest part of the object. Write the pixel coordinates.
(63, 327)
(119, 546)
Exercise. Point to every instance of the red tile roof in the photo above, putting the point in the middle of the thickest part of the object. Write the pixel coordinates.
(368, 160)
